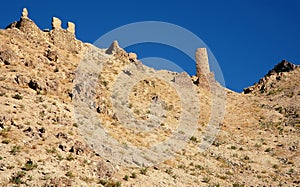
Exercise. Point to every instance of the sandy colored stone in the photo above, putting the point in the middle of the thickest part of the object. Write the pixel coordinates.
(202, 65)
(56, 23)
(257, 143)
(24, 13)
(132, 56)
(113, 48)
(71, 27)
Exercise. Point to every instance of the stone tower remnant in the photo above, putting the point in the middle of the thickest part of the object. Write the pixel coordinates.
(56, 23)
(202, 65)
(71, 27)
(205, 77)
(24, 13)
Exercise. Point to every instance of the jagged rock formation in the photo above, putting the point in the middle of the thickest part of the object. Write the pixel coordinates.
(115, 49)
(281, 84)
(267, 82)
(283, 66)
(40, 139)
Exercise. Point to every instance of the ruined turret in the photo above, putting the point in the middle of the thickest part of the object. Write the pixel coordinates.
(56, 23)
(71, 27)
(202, 65)
(24, 13)
(64, 37)
(204, 77)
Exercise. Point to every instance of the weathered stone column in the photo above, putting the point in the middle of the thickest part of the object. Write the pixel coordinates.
(202, 65)
(56, 23)
(24, 13)
(71, 27)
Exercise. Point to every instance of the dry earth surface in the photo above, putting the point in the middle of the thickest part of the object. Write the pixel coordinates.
(41, 143)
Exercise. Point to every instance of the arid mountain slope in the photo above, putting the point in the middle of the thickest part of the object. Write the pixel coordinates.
(41, 140)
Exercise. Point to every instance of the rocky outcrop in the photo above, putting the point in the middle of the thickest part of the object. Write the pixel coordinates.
(52, 55)
(115, 49)
(132, 57)
(283, 66)
(8, 57)
(184, 80)
(266, 84)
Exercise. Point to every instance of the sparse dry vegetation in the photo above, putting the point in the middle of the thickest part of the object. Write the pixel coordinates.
(41, 144)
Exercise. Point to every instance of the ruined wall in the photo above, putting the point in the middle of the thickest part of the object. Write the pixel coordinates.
(64, 38)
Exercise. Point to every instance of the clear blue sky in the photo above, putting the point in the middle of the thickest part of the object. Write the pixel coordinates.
(247, 37)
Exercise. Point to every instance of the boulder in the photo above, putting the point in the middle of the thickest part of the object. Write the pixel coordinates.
(132, 57)
(8, 57)
(52, 55)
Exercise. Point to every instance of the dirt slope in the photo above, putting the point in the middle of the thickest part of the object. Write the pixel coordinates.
(41, 141)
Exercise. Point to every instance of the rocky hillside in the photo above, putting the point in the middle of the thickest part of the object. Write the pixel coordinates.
(46, 138)
(280, 91)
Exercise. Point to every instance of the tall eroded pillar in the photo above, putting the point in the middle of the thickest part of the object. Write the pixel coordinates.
(202, 65)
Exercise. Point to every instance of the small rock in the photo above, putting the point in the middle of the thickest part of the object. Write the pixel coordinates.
(52, 55)
(62, 147)
(61, 135)
(2, 167)
(293, 148)
(62, 181)
(22, 80)
(35, 85)
(104, 169)
(29, 129)
(248, 90)
(77, 148)
(132, 57)
(42, 130)
(98, 109)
